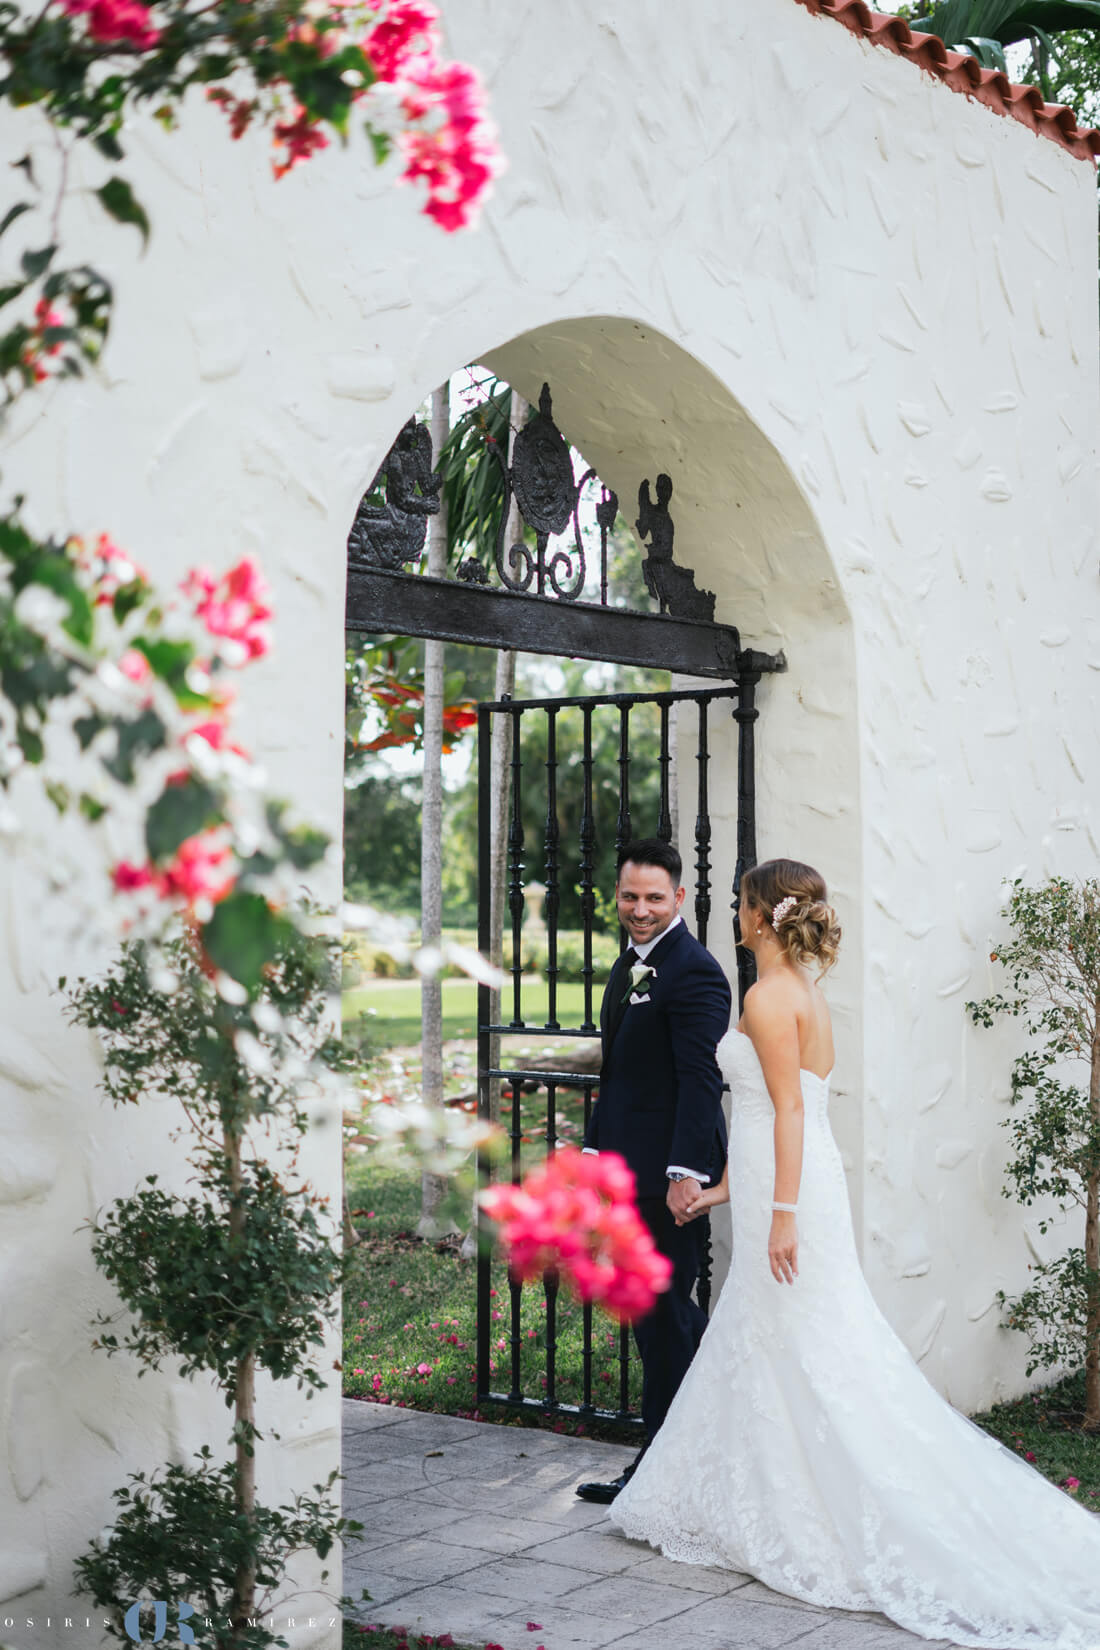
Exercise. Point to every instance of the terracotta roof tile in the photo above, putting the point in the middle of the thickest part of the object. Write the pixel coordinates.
(964, 74)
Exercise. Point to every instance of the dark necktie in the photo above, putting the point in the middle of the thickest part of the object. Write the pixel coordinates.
(618, 1006)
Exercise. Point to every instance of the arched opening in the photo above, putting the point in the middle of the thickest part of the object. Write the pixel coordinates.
(636, 404)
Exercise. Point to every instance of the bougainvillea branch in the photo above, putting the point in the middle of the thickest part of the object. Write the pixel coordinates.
(122, 697)
(308, 70)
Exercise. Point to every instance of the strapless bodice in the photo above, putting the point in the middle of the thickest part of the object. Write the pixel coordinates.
(740, 1066)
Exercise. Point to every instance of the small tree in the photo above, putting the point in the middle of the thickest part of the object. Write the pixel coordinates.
(238, 1276)
(1053, 964)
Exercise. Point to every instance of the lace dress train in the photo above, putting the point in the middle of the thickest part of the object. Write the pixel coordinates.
(806, 1448)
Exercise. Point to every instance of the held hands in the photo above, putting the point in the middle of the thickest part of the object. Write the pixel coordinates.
(783, 1247)
(681, 1193)
(701, 1199)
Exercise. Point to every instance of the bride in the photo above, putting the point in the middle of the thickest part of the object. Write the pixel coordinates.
(804, 1446)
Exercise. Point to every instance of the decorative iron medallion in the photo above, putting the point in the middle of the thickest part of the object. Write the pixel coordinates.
(541, 478)
(542, 472)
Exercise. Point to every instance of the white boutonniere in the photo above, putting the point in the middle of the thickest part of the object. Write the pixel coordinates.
(641, 978)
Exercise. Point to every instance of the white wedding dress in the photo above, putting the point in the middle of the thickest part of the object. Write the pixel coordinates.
(806, 1448)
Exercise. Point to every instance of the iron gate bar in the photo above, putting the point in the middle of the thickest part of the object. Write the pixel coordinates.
(745, 716)
(587, 870)
(550, 845)
(664, 761)
(702, 831)
(394, 603)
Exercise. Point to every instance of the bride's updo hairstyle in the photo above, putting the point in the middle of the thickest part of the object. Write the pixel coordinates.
(806, 924)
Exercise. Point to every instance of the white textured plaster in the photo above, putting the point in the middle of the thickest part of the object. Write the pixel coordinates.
(853, 315)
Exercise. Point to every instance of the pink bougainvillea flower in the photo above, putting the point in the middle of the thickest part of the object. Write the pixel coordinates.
(135, 665)
(121, 20)
(199, 871)
(456, 156)
(576, 1215)
(238, 110)
(215, 733)
(128, 877)
(302, 136)
(406, 32)
(234, 606)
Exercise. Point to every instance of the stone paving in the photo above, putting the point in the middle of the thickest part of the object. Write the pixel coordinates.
(475, 1530)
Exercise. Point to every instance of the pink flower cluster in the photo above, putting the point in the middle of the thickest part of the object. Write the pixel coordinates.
(36, 351)
(116, 20)
(302, 137)
(201, 871)
(235, 606)
(451, 146)
(234, 609)
(576, 1214)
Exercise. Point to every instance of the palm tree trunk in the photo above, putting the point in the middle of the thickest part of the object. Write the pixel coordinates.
(504, 685)
(433, 1187)
(1092, 1246)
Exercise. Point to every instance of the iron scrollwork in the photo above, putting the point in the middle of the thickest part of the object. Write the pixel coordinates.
(390, 534)
(542, 481)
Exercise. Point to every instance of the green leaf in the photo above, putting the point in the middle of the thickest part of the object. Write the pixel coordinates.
(140, 737)
(107, 143)
(179, 812)
(12, 213)
(167, 659)
(117, 198)
(381, 144)
(244, 935)
(34, 264)
(989, 53)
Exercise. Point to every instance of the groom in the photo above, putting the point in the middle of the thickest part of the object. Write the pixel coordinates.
(666, 1006)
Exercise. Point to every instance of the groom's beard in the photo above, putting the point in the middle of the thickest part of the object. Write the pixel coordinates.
(645, 935)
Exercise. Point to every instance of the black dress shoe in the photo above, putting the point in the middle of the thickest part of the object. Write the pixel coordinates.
(603, 1492)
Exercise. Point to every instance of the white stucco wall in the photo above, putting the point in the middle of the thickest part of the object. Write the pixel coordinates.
(854, 316)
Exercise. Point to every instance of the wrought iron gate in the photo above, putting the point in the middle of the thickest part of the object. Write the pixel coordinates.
(524, 1348)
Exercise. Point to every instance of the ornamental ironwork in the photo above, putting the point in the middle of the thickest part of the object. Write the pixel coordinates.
(530, 596)
(390, 533)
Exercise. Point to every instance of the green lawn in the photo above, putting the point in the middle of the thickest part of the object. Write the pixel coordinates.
(393, 1008)
(410, 1314)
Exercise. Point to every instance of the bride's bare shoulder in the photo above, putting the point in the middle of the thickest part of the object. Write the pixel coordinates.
(769, 1002)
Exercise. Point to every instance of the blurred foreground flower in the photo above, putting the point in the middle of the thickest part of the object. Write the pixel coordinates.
(576, 1214)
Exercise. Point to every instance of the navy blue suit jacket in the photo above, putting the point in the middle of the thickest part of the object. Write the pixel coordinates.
(660, 1098)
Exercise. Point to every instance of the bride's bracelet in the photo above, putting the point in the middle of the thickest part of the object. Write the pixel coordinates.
(786, 1208)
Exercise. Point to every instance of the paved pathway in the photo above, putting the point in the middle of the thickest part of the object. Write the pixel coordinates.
(474, 1530)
